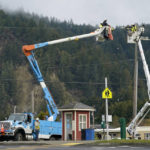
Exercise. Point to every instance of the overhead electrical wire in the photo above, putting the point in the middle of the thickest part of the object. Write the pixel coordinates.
(69, 82)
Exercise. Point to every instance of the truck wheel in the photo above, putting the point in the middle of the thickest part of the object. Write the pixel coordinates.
(19, 137)
(52, 138)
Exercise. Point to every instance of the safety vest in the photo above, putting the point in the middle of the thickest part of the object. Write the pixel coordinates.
(133, 29)
(37, 125)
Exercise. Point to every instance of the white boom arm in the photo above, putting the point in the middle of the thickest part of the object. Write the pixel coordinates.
(134, 36)
(104, 32)
(97, 33)
(145, 67)
(132, 126)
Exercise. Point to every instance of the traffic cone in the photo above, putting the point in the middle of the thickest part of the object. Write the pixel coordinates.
(2, 129)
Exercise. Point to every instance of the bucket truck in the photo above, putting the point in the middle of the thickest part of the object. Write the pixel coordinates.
(20, 125)
(135, 36)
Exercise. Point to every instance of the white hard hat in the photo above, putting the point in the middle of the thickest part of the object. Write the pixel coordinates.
(37, 119)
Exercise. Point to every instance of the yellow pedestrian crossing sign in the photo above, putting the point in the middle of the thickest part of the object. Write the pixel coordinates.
(107, 93)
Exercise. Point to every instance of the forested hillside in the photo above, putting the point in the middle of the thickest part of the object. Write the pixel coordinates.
(73, 71)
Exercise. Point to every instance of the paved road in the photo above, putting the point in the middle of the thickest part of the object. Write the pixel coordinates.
(64, 147)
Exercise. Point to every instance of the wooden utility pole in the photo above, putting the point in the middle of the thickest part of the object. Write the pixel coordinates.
(15, 109)
(32, 101)
(135, 88)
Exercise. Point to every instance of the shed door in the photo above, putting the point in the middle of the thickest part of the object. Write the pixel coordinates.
(68, 126)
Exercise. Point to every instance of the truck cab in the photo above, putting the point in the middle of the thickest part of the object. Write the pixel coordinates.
(18, 125)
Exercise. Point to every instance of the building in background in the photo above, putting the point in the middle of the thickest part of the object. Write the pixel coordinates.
(75, 117)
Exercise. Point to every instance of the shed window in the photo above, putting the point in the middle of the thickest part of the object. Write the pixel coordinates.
(82, 121)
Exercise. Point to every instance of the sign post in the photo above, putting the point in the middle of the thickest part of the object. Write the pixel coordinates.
(106, 94)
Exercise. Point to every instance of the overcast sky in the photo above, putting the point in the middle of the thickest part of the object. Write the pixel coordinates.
(117, 12)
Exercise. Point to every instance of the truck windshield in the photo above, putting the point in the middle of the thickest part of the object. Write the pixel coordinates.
(17, 117)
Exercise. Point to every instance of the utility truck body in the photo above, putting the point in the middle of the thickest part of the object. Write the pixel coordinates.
(20, 126)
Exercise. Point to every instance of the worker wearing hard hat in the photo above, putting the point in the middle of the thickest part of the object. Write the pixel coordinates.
(36, 128)
(133, 28)
(107, 33)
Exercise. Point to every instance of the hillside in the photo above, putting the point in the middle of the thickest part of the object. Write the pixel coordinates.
(72, 71)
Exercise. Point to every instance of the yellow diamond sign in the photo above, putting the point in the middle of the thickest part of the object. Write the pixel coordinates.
(107, 93)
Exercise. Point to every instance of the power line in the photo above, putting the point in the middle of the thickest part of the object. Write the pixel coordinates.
(68, 82)
(87, 65)
(37, 27)
(84, 65)
(46, 27)
(80, 65)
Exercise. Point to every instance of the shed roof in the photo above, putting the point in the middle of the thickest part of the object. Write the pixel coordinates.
(76, 106)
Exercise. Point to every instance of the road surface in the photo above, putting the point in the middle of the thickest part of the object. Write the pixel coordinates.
(79, 147)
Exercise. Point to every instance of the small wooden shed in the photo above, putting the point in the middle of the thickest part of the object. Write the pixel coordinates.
(75, 117)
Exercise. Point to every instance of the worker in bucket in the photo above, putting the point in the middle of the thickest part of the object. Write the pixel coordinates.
(107, 31)
(36, 129)
(131, 28)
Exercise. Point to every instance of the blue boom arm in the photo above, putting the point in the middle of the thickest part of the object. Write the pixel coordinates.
(51, 106)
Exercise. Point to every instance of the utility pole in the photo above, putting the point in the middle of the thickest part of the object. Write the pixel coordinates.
(32, 101)
(106, 105)
(107, 94)
(14, 109)
(135, 88)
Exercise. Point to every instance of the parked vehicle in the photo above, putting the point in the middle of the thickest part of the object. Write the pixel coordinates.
(20, 126)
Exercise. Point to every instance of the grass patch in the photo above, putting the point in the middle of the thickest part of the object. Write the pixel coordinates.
(123, 142)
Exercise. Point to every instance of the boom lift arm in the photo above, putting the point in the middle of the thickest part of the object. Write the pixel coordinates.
(135, 36)
(104, 32)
